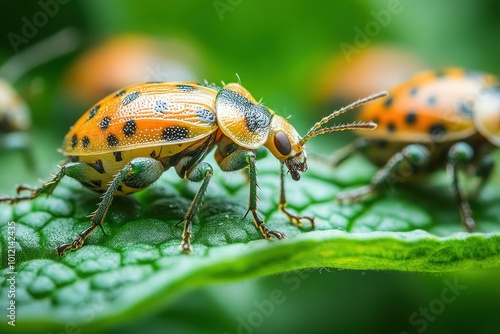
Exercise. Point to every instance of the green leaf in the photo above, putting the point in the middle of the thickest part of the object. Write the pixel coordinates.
(137, 266)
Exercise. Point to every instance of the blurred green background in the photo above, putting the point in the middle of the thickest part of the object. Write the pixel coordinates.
(301, 58)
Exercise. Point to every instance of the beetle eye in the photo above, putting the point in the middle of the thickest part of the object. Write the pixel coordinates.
(282, 143)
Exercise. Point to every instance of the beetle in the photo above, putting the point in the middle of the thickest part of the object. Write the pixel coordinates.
(437, 119)
(15, 121)
(126, 141)
(15, 114)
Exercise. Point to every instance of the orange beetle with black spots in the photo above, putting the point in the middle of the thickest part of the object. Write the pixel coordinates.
(125, 142)
(14, 112)
(437, 119)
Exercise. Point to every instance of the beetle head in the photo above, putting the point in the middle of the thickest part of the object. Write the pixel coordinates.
(289, 147)
(283, 142)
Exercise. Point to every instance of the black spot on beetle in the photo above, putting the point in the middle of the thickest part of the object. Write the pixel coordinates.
(85, 141)
(206, 115)
(161, 106)
(121, 93)
(380, 143)
(93, 112)
(464, 109)
(88, 185)
(104, 123)
(175, 133)
(414, 91)
(119, 188)
(130, 128)
(388, 102)
(96, 183)
(74, 141)
(154, 155)
(391, 127)
(431, 100)
(98, 166)
(411, 118)
(257, 117)
(112, 140)
(185, 88)
(118, 156)
(437, 131)
(130, 97)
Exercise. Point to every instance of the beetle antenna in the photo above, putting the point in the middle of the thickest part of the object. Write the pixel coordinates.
(316, 130)
(342, 127)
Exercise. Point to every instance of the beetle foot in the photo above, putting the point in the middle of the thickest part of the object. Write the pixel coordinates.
(25, 187)
(470, 224)
(296, 220)
(4, 198)
(262, 227)
(267, 233)
(354, 195)
(76, 244)
(185, 246)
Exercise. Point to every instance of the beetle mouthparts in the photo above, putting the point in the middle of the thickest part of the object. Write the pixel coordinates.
(295, 165)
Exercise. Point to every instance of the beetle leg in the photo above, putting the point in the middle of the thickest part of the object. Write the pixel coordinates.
(199, 172)
(240, 159)
(260, 153)
(347, 151)
(138, 173)
(297, 220)
(483, 170)
(459, 155)
(250, 160)
(399, 167)
(47, 188)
